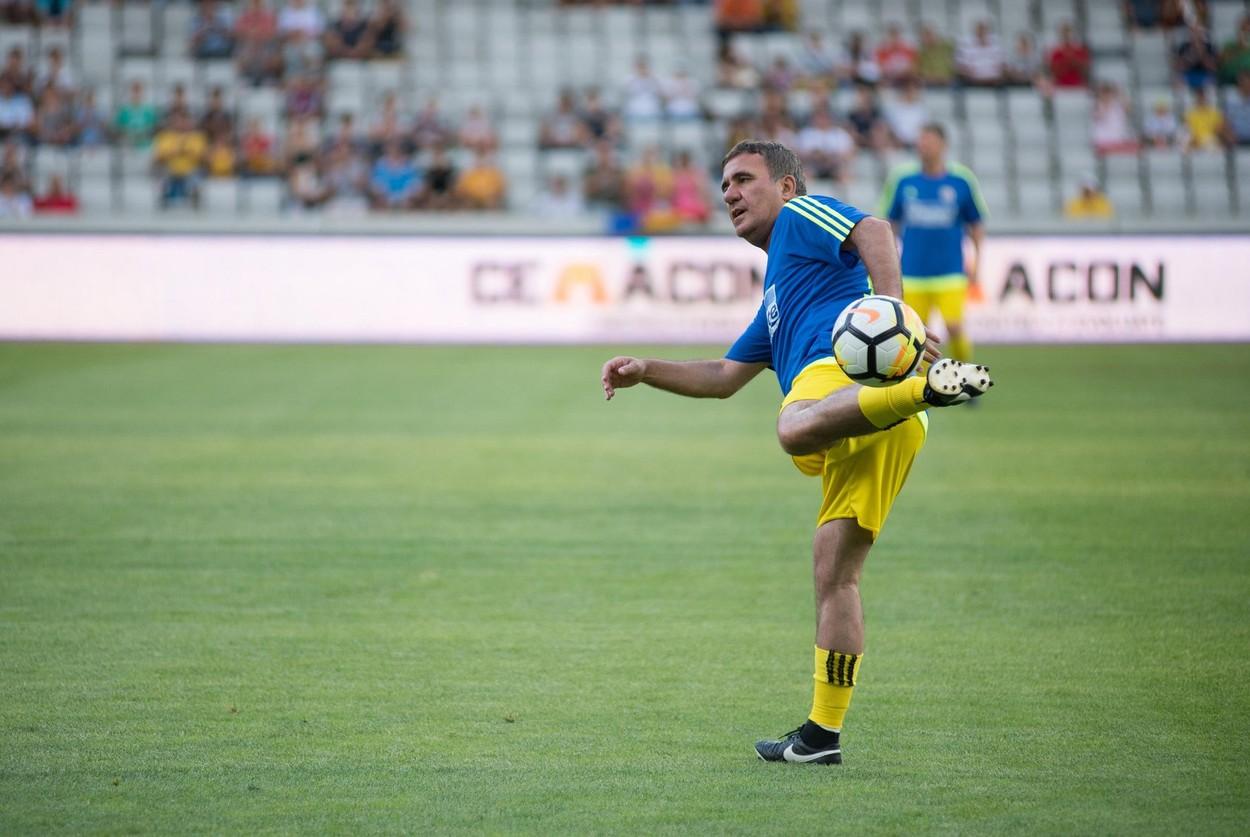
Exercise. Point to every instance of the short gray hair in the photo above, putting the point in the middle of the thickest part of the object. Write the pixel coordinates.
(781, 160)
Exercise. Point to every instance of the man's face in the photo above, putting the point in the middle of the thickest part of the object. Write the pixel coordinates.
(753, 198)
(930, 146)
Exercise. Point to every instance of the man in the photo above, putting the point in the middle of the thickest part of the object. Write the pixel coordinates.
(932, 204)
(860, 440)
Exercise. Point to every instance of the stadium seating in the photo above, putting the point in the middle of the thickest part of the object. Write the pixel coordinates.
(514, 56)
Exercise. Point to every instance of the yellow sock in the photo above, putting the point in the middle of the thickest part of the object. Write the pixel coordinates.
(961, 348)
(887, 406)
(835, 681)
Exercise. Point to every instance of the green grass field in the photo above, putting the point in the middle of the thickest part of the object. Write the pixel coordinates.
(427, 590)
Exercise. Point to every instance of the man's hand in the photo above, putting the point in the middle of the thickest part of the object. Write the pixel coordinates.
(622, 372)
(931, 351)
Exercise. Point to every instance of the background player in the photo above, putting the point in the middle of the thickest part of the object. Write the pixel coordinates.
(860, 440)
(932, 204)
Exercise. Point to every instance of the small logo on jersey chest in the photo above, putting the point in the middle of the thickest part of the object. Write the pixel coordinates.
(946, 194)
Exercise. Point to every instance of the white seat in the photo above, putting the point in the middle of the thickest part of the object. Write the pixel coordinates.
(569, 162)
(1211, 193)
(1036, 198)
(136, 28)
(220, 196)
(95, 195)
(1151, 58)
(140, 195)
(262, 197)
(95, 163)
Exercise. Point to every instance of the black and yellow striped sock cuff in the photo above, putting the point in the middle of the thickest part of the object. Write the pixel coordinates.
(839, 669)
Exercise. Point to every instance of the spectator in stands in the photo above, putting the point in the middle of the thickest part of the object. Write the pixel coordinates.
(301, 141)
(1235, 56)
(824, 146)
(861, 64)
(258, 47)
(476, 131)
(347, 176)
(690, 192)
(221, 160)
(1147, 14)
(54, 12)
(482, 185)
(15, 202)
(1237, 111)
(178, 152)
(431, 127)
(907, 115)
(558, 200)
(300, 26)
(349, 36)
(935, 59)
(1159, 126)
(603, 181)
(19, 13)
(1090, 202)
(818, 62)
(1024, 64)
(17, 112)
(57, 74)
(775, 123)
(387, 26)
(179, 105)
(395, 182)
(258, 151)
(13, 160)
(563, 127)
(681, 96)
(980, 58)
(56, 200)
(305, 185)
(389, 126)
(305, 95)
(599, 121)
(1069, 60)
(1205, 123)
(212, 31)
(1111, 131)
(16, 73)
(735, 71)
(55, 122)
(738, 16)
(1195, 59)
(868, 125)
(217, 120)
(91, 126)
(648, 187)
(896, 56)
(643, 95)
(780, 77)
(440, 180)
(344, 134)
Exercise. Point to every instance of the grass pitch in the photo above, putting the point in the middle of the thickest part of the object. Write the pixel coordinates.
(426, 590)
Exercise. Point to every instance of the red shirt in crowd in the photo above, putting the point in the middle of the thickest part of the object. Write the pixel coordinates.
(59, 202)
(1069, 64)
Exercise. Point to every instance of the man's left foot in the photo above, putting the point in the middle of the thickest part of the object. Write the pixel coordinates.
(791, 747)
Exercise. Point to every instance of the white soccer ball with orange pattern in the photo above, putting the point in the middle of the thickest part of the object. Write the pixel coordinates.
(878, 340)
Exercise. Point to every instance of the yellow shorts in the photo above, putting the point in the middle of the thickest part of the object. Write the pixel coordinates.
(945, 293)
(859, 476)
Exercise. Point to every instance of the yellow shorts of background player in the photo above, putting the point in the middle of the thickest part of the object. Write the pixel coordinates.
(945, 293)
(860, 476)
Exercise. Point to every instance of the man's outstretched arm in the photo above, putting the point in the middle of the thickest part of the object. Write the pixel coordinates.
(696, 378)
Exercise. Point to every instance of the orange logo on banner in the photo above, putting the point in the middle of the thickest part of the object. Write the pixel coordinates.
(581, 275)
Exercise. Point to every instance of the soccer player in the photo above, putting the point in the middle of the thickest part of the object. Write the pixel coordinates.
(932, 203)
(859, 440)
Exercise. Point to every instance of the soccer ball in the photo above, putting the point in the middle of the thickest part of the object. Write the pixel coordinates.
(878, 340)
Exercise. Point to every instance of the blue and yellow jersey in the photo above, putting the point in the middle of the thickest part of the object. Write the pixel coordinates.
(933, 212)
(809, 280)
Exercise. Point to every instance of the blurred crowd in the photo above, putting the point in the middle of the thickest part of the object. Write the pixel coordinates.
(392, 160)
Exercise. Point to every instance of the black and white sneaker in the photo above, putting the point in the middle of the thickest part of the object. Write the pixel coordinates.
(952, 381)
(791, 747)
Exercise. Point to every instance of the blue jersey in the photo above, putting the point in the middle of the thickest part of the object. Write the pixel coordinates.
(933, 212)
(809, 280)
